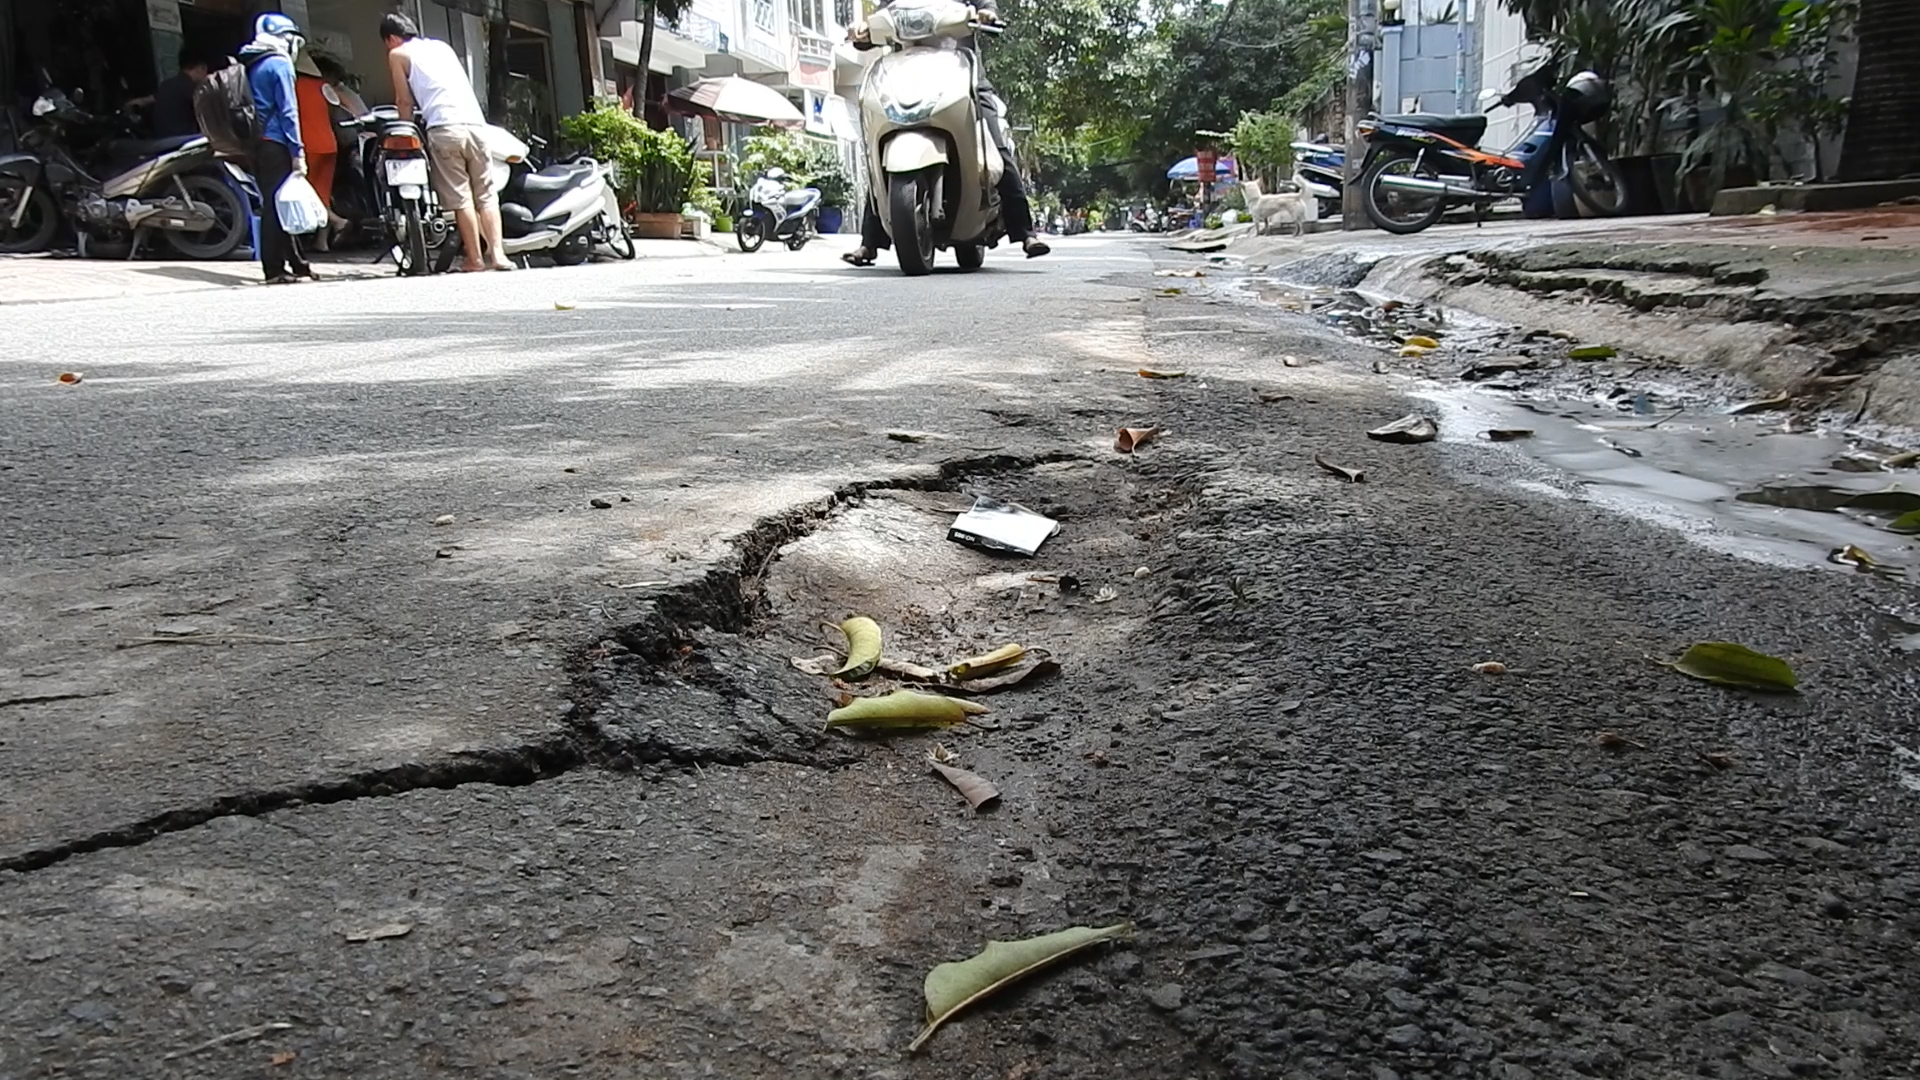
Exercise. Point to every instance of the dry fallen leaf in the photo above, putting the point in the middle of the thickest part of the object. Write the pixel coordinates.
(987, 663)
(1351, 476)
(70, 378)
(1717, 759)
(1033, 673)
(974, 788)
(1411, 428)
(1271, 399)
(1149, 373)
(284, 1057)
(1508, 434)
(1613, 740)
(1180, 273)
(1130, 439)
(384, 930)
(1490, 667)
(563, 305)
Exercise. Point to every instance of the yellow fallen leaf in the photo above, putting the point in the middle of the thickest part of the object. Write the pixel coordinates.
(974, 666)
(952, 987)
(863, 647)
(1149, 373)
(903, 709)
(563, 305)
(1414, 350)
(1421, 340)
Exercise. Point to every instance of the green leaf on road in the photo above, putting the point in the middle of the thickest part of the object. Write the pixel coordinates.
(1592, 352)
(1906, 523)
(1729, 664)
(952, 987)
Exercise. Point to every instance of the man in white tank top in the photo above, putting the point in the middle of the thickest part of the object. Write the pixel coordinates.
(428, 77)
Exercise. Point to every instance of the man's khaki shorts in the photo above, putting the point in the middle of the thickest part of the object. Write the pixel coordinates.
(460, 166)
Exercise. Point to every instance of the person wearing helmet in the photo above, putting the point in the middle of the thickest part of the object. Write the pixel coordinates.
(278, 154)
(1016, 209)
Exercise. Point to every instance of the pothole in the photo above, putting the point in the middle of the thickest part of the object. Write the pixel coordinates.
(719, 685)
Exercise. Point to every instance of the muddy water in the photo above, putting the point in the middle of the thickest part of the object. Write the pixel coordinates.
(1660, 447)
(1739, 485)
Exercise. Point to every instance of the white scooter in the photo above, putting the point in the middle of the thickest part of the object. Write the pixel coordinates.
(564, 210)
(931, 156)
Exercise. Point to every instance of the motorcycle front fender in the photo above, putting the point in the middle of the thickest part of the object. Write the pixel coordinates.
(27, 167)
(912, 151)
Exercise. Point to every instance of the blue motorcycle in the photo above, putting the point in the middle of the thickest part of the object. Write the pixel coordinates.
(775, 211)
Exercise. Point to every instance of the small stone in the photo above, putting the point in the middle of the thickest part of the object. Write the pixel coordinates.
(1166, 997)
(1406, 1036)
(1126, 965)
(600, 504)
(1832, 905)
(496, 998)
(444, 519)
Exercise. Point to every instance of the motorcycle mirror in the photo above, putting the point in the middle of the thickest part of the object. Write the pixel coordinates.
(1489, 99)
(41, 106)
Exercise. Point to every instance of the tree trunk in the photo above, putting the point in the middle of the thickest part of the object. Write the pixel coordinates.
(1884, 114)
(647, 15)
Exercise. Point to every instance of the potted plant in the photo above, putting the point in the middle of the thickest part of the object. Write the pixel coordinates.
(654, 171)
(835, 193)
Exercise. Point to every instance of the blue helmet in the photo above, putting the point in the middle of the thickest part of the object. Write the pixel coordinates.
(277, 25)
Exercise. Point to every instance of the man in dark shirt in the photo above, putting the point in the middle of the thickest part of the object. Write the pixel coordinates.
(173, 98)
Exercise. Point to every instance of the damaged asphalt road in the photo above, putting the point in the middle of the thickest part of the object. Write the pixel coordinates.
(1347, 853)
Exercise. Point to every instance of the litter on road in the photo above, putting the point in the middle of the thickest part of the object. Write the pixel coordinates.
(993, 525)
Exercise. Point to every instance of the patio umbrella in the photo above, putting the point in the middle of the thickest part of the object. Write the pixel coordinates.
(734, 98)
(1189, 169)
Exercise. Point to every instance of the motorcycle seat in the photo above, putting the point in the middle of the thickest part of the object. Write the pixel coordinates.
(1465, 128)
(793, 200)
(126, 149)
(555, 178)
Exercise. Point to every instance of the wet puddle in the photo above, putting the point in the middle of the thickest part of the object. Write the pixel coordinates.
(1740, 485)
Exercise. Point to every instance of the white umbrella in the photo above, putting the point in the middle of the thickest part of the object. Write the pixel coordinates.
(734, 98)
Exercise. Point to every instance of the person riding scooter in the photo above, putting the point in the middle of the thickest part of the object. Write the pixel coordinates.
(1015, 208)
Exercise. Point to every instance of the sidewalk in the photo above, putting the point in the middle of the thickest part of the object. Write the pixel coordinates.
(1801, 303)
(31, 279)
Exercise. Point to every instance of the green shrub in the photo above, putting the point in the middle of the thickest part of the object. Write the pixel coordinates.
(656, 168)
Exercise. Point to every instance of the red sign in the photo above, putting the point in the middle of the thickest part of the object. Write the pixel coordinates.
(1206, 159)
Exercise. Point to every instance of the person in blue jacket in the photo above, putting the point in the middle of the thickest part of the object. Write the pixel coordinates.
(278, 154)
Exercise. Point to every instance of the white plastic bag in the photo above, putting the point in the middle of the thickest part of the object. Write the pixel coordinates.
(299, 207)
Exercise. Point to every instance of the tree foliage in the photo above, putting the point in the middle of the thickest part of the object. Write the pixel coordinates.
(1107, 93)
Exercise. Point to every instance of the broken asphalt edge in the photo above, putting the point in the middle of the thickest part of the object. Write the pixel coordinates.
(726, 598)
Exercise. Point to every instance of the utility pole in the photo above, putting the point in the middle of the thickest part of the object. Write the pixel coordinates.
(1362, 38)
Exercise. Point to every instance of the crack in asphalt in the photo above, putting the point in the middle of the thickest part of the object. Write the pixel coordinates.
(727, 598)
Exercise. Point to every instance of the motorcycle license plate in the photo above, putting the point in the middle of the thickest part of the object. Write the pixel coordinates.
(406, 171)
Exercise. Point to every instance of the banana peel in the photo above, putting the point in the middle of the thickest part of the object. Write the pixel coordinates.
(903, 709)
(863, 648)
(975, 666)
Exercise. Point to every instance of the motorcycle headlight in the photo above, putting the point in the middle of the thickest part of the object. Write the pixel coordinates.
(912, 24)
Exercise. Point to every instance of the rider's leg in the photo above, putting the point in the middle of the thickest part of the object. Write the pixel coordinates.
(1016, 210)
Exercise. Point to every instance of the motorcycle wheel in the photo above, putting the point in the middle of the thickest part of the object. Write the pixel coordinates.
(1401, 212)
(619, 240)
(1596, 182)
(37, 226)
(412, 251)
(573, 250)
(911, 204)
(970, 256)
(230, 221)
(750, 232)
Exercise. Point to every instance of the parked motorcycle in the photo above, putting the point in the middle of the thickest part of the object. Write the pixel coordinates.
(562, 209)
(1419, 164)
(775, 211)
(114, 190)
(392, 156)
(930, 153)
(1324, 168)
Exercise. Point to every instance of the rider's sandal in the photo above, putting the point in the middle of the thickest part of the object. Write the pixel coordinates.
(854, 258)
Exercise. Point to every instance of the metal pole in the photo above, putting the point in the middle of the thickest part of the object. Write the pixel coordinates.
(1361, 41)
